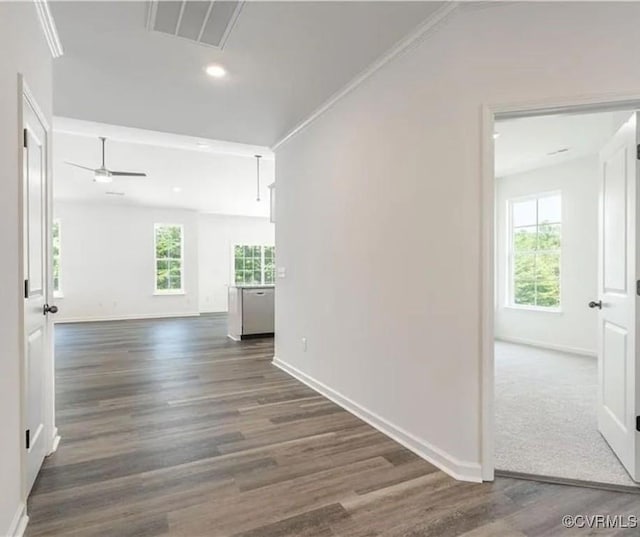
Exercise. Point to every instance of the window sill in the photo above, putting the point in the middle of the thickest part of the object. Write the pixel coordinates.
(169, 293)
(535, 309)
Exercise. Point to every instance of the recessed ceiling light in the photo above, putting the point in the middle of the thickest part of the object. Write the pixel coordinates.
(203, 145)
(177, 189)
(215, 70)
(496, 135)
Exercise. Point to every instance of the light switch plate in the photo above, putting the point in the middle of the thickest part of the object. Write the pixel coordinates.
(282, 272)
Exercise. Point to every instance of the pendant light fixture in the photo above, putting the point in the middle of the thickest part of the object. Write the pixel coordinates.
(258, 157)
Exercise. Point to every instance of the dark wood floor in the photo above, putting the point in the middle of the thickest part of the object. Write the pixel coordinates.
(169, 428)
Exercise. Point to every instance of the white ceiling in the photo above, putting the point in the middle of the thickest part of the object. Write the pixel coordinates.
(220, 178)
(526, 143)
(284, 60)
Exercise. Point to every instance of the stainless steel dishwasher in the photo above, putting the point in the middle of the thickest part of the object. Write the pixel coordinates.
(251, 311)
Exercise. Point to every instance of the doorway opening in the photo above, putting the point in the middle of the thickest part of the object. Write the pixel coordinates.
(564, 321)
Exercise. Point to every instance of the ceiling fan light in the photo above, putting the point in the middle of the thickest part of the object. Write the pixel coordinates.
(102, 177)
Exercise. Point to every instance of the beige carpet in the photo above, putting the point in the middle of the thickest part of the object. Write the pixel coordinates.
(545, 410)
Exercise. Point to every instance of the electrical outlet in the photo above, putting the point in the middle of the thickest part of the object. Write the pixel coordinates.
(304, 344)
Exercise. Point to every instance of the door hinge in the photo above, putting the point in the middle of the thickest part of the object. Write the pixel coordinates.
(638, 287)
(28, 438)
(26, 288)
(25, 138)
(638, 423)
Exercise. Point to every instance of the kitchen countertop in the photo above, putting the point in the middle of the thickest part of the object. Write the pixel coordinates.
(252, 286)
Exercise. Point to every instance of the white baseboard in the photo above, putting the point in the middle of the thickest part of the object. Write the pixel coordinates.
(462, 470)
(19, 522)
(548, 346)
(55, 442)
(140, 316)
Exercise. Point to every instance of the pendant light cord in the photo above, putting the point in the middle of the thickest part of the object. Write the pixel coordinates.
(258, 157)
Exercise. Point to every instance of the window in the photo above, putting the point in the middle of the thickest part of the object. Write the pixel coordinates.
(254, 265)
(534, 255)
(55, 249)
(169, 258)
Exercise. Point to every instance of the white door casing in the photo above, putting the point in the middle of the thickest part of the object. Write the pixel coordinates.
(617, 302)
(37, 350)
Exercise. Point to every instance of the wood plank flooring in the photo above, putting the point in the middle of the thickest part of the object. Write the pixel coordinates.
(170, 429)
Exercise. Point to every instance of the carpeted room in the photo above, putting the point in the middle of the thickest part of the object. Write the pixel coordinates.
(548, 389)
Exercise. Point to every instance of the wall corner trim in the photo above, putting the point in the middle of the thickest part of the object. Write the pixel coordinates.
(49, 28)
(430, 25)
(19, 523)
(461, 470)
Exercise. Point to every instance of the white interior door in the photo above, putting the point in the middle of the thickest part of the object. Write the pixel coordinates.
(617, 277)
(36, 341)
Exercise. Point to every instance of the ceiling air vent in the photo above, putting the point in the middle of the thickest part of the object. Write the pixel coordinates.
(208, 23)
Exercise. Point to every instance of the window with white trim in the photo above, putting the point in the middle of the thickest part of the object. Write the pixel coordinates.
(55, 251)
(254, 265)
(535, 232)
(169, 258)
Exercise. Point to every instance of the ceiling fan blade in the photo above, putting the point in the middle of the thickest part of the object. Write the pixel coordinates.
(127, 174)
(80, 166)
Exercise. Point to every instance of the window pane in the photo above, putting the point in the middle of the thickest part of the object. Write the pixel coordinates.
(524, 267)
(525, 239)
(162, 242)
(239, 263)
(524, 213)
(548, 293)
(547, 267)
(524, 292)
(55, 246)
(269, 276)
(175, 275)
(162, 275)
(549, 209)
(175, 249)
(248, 250)
(549, 237)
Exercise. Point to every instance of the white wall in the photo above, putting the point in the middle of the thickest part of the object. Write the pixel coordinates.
(24, 50)
(107, 262)
(216, 237)
(575, 327)
(379, 213)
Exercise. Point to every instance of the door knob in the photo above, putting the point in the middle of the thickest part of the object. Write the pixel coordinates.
(597, 304)
(49, 309)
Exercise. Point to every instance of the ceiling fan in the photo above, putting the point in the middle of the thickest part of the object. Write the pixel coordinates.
(103, 174)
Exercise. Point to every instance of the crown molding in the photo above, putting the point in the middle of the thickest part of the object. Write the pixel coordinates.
(429, 26)
(49, 28)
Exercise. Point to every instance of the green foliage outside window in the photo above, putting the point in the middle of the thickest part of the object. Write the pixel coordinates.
(254, 265)
(168, 242)
(536, 254)
(55, 245)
